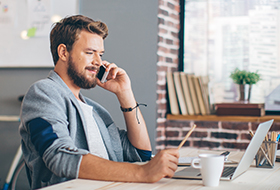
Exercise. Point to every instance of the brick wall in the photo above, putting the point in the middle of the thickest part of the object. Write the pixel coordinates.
(212, 135)
(168, 49)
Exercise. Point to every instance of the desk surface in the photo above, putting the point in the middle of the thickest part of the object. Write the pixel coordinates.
(254, 178)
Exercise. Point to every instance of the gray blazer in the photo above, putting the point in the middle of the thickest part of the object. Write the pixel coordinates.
(54, 135)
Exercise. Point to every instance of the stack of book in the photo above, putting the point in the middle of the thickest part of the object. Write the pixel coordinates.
(188, 94)
(240, 108)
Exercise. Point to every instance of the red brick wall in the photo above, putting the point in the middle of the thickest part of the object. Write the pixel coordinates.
(214, 135)
(168, 46)
(211, 134)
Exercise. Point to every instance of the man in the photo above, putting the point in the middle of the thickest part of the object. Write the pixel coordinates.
(66, 135)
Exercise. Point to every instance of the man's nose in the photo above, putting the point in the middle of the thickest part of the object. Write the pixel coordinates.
(97, 60)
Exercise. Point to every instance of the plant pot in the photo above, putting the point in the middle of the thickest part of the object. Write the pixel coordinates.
(245, 92)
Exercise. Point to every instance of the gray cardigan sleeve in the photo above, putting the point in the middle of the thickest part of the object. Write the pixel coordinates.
(44, 118)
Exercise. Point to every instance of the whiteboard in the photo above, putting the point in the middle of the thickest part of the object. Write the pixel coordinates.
(16, 18)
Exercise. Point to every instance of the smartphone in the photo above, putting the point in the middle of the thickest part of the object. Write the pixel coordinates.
(102, 74)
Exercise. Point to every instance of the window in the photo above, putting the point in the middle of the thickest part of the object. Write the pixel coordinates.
(221, 35)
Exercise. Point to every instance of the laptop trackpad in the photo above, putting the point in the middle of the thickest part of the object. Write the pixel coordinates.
(188, 173)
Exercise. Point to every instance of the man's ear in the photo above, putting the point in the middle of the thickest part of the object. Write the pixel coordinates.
(62, 52)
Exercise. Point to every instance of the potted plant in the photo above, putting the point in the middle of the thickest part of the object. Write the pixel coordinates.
(242, 77)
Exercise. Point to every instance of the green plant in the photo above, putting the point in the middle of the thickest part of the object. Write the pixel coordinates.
(253, 78)
(245, 77)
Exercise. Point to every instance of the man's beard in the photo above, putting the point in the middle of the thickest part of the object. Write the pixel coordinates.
(80, 79)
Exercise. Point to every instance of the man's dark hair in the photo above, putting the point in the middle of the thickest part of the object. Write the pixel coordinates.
(67, 31)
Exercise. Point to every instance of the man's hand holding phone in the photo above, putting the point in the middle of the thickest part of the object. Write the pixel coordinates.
(113, 78)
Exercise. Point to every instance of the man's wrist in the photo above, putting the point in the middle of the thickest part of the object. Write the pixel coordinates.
(126, 99)
(130, 108)
(141, 175)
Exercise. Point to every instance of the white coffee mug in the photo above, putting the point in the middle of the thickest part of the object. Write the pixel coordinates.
(211, 167)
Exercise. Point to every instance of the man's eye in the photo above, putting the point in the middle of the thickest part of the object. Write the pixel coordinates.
(88, 52)
(101, 55)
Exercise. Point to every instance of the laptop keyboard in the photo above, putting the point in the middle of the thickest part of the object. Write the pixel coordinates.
(226, 172)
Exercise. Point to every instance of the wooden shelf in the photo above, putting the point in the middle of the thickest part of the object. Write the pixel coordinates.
(224, 118)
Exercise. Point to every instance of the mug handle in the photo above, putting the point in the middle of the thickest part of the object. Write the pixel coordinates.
(195, 163)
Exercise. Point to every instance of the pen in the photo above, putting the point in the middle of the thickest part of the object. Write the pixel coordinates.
(267, 149)
(278, 137)
(273, 136)
(186, 137)
(266, 137)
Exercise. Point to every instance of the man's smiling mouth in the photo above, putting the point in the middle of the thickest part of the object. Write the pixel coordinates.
(92, 69)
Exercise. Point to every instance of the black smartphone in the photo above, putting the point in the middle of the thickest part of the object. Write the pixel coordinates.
(102, 74)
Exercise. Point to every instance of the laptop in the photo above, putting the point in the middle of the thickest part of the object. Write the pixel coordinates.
(230, 173)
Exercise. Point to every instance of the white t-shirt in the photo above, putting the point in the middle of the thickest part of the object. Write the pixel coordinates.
(95, 142)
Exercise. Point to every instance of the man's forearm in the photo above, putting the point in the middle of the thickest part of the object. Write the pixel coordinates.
(93, 167)
(135, 123)
(164, 164)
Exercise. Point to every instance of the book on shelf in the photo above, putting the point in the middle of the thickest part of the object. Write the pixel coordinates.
(179, 92)
(239, 105)
(186, 93)
(172, 97)
(198, 91)
(240, 109)
(193, 94)
(204, 81)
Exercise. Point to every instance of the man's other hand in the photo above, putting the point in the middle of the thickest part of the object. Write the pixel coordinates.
(164, 164)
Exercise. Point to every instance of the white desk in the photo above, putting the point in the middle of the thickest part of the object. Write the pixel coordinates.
(254, 178)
